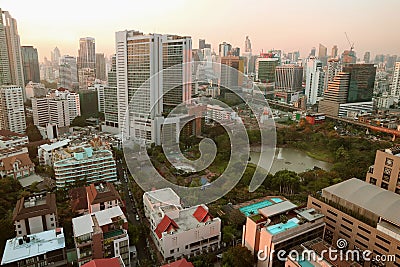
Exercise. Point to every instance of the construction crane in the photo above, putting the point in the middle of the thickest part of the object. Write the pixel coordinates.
(348, 40)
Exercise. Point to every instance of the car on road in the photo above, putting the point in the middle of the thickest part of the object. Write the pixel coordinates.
(137, 217)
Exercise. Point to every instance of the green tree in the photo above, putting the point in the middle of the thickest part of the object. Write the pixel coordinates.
(79, 121)
(33, 133)
(237, 257)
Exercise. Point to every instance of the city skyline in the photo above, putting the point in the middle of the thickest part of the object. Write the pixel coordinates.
(286, 27)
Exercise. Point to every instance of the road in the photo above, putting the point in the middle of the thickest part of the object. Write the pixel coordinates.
(142, 249)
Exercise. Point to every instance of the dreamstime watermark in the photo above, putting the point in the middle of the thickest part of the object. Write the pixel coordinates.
(144, 124)
(331, 254)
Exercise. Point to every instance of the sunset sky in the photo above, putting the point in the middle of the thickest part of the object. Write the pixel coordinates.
(285, 24)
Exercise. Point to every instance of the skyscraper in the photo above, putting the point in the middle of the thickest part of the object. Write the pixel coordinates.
(111, 100)
(138, 58)
(68, 73)
(100, 67)
(55, 57)
(334, 67)
(202, 43)
(367, 57)
(322, 51)
(11, 69)
(231, 76)
(224, 49)
(265, 69)
(12, 114)
(314, 80)
(395, 88)
(86, 62)
(312, 53)
(288, 78)
(334, 52)
(247, 45)
(31, 64)
(350, 92)
(362, 81)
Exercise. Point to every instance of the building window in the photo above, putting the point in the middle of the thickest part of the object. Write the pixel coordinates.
(51, 219)
(171, 251)
(384, 185)
(397, 191)
(389, 162)
(372, 181)
(18, 226)
(19, 232)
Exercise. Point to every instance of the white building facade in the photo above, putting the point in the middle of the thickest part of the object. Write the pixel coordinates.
(178, 231)
(314, 80)
(138, 58)
(12, 113)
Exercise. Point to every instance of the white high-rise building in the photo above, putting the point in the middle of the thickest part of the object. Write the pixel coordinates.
(314, 80)
(59, 108)
(138, 58)
(12, 114)
(395, 88)
(11, 67)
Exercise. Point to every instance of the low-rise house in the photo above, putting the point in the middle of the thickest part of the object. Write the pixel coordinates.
(35, 214)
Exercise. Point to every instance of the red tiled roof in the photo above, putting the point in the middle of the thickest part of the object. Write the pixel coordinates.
(78, 199)
(201, 214)
(8, 163)
(95, 197)
(180, 263)
(113, 262)
(166, 224)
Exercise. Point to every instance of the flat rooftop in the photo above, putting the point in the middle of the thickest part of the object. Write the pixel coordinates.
(85, 224)
(165, 195)
(50, 147)
(379, 201)
(39, 244)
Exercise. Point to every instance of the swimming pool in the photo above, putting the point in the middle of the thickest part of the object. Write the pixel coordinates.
(252, 209)
(281, 227)
(305, 263)
(276, 199)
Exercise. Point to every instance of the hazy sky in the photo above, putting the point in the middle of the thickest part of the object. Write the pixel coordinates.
(283, 24)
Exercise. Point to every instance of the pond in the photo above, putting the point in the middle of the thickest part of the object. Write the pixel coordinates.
(290, 159)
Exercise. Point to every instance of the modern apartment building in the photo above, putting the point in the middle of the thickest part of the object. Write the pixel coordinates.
(179, 231)
(315, 77)
(12, 113)
(35, 214)
(276, 224)
(364, 215)
(11, 68)
(101, 67)
(102, 234)
(10, 139)
(59, 108)
(395, 87)
(138, 58)
(40, 249)
(385, 172)
(87, 165)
